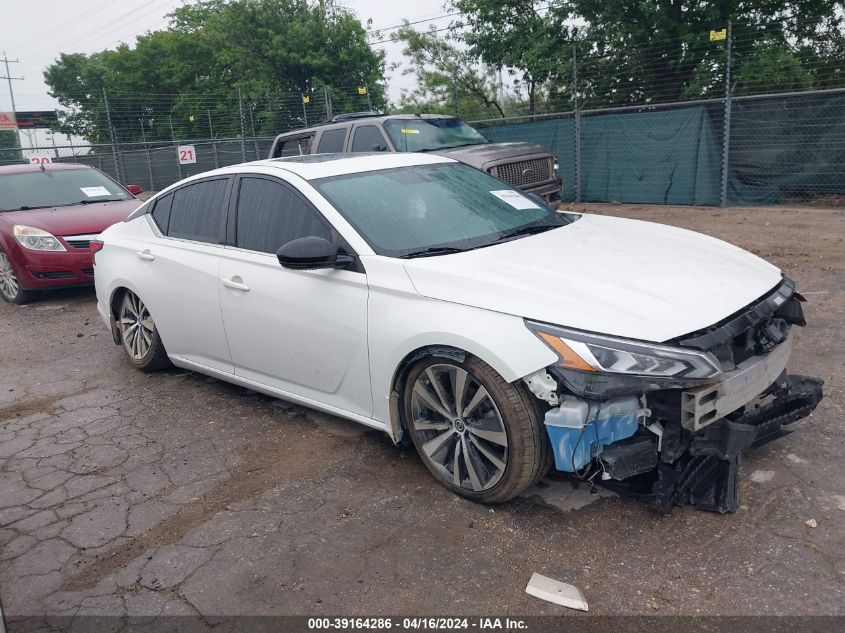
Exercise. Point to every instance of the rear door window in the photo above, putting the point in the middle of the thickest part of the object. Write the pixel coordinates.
(271, 214)
(332, 141)
(197, 211)
(161, 212)
(368, 138)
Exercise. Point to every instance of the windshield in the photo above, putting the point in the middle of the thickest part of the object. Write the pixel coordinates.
(434, 209)
(421, 135)
(56, 188)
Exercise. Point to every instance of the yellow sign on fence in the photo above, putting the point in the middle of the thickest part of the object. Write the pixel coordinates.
(715, 36)
(306, 99)
(362, 90)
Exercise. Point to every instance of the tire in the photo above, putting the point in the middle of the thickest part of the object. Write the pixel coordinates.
(139, 335)
(498, 442)
(10, 288)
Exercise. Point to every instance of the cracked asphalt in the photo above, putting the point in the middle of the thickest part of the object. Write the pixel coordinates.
(123, 493)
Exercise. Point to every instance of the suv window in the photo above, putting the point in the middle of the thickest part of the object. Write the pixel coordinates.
(197, 211)
(294, 146)
(368, 138)
(332, 141)
(271, 214)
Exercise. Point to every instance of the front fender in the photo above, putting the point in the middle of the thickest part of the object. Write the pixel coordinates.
(402, 324)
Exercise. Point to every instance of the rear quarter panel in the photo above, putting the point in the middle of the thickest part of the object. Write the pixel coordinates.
(112, 265)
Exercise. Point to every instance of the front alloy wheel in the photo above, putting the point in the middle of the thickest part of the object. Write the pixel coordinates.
(10, 288)
(139, 334)
(478, 435)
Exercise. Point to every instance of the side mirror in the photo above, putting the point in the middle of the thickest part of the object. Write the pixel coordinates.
(378, 147)
(312, 253)
(134, 189)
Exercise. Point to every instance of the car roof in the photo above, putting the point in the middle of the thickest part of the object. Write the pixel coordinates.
(312, 166)
(22, 168)
(369, 118)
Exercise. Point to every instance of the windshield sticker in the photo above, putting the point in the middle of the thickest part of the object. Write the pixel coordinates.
(94, 192)
(408, 130)
(515, 199)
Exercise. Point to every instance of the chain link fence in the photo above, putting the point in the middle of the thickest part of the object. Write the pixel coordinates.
(136, 138)
(153, 166)
(781, 149)
(750, 150)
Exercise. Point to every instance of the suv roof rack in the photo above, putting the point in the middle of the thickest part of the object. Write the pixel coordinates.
(354, 115)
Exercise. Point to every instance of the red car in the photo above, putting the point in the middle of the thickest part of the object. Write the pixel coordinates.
(48, 216)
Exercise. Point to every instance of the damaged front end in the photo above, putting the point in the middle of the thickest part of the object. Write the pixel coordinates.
(669, 422)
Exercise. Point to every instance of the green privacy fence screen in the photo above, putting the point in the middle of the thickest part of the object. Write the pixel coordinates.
(783, 149)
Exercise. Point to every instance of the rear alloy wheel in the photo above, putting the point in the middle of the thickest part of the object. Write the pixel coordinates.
(480, 436)
(10, 288)
(139, 334)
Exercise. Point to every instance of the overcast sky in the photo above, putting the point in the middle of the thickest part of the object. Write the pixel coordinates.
(37, 31)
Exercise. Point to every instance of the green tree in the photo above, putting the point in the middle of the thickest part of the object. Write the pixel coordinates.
(9, 147)
(213, 59)
(772, 67)
(633, 51)
(521, 36)
(449, 79)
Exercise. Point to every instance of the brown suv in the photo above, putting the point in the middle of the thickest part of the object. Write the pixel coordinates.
(532, 168)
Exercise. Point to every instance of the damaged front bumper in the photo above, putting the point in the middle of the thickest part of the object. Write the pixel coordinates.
(702, 469)
(682, 444)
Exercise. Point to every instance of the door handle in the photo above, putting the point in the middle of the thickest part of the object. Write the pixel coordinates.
(235, 285)
(145, 255)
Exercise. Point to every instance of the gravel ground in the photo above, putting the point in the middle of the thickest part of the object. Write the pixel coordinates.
(130, 494)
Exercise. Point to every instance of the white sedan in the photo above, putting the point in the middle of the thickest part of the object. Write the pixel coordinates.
(422, 297)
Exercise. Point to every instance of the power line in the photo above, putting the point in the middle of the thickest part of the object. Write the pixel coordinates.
(38, 61)
(63, 27)
(396, 39)
(396, 26)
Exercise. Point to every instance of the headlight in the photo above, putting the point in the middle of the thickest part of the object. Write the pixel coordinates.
(596, 353)
(37, 239)
(557, 169)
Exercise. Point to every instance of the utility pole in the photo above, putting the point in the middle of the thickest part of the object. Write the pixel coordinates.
(8, 77)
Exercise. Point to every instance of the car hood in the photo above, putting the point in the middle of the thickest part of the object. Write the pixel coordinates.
(78, 219)
(609, 275)
(481, 155)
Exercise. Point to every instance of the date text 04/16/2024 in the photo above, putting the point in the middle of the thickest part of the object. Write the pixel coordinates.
(417, 623)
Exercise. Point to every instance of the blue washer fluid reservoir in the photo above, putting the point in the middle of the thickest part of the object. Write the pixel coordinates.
(578, 428)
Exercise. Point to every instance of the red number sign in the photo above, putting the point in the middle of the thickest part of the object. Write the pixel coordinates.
(187, 154)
